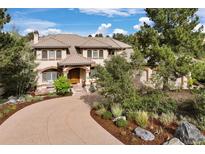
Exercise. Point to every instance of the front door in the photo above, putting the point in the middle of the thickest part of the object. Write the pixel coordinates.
(74, 75)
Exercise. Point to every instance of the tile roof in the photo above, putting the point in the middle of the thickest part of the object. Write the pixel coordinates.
(68, 40)
(75, 59)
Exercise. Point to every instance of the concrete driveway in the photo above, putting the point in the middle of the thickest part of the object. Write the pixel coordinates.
(64, 120)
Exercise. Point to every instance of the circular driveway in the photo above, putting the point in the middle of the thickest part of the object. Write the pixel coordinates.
(63, 120)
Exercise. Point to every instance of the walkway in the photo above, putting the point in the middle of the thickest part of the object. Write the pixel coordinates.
(64, 120)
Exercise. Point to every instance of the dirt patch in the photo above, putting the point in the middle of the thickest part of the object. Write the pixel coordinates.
(125, 135)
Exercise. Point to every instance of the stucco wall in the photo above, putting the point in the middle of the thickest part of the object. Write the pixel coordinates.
(97, 61)
(146, 77)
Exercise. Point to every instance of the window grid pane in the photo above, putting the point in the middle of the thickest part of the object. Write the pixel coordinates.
(44, 54)
(58, 54)
(51, 54)
(89, 53)
(101, 54)
(95, 54)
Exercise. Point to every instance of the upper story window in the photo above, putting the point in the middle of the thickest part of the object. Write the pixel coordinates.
(51, 54)
(58, 54)
(95, 54)
(101, 54)
(89, 53)
(44, 54)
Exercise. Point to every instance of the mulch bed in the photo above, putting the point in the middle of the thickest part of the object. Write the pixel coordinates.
(20, 106)
(125, 135)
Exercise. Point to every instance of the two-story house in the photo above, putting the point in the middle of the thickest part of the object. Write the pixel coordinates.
(73, 56)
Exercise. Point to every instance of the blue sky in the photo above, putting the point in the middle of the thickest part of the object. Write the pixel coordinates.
(80, 21)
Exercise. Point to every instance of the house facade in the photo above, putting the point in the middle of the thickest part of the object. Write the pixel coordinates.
(73, 56)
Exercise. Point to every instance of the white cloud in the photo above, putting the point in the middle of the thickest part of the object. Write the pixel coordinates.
(142, 20)
(119, 31)
(33, 23)
(103, 29)
(44, 27)
(48, 31)
(111, 12)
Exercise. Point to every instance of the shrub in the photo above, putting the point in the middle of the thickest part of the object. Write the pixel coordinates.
(154, 115)
(37, 98)
(62, 85)
(6, 111)
(92, 88)
(116, 110)
(28, 98)
(167, 118)
(107, 115)
(158, 103)
(131, 115)
(96, 105)
(121, 123)
(142, 118)
(100, 111)
(1, 115)
(12, 106)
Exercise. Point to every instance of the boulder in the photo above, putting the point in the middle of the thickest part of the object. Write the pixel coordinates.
(189, 133)
(144, 134)
(173, 141)
(12, 99)
(121, 117)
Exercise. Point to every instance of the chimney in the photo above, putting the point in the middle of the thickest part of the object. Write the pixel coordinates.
(35, 36)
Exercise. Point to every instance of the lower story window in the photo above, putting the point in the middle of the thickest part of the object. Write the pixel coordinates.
(49, 76)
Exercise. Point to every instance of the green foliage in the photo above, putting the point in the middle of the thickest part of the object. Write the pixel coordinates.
(167, 118)
(158, 103)
(62, 85)
(100, 111)
(131, 115)
(137, 60)
(28, 98)
(6, 111)
(107, 115)
(17, 65)
(92, 88)
(142, 118)
(115, 80)
(37, 98)
(129, 39)
(121, 123)
(198, 71)
(4, 17)
(171, 42)
(116, 110)
(96, 105)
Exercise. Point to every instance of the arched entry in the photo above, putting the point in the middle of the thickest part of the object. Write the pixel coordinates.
(74, 75)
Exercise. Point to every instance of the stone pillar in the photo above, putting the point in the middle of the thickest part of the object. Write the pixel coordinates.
(65, 71)
(87, 76)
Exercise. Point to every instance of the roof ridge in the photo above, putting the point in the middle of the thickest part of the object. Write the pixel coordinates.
(101, 41)
(58, 40)
(114, 42)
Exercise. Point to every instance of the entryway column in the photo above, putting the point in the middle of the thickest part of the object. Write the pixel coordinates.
(87, 76)
(65, 71)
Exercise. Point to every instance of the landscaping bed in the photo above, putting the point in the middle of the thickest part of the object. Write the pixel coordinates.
(8, 109)
(126, 136)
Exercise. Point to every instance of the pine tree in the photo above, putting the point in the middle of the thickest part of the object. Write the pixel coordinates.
(170, 43)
